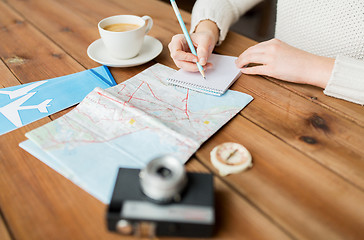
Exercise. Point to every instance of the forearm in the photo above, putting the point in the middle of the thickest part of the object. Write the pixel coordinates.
(318, 70)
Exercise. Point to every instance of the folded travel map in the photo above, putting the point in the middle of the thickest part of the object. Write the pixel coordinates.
(127, 126)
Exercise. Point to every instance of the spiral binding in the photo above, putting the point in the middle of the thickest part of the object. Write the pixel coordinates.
(195, 86)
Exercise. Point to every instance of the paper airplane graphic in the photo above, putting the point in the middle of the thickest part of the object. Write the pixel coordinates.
(23, 104)
(22, 91)
(10, 111)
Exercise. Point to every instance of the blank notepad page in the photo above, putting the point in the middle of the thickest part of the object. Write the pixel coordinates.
(218, 79)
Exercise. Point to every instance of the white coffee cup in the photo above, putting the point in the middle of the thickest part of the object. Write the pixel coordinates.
(127, 44)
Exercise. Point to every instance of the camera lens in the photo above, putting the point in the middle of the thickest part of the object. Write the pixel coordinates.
(164, 172)
(163, 179)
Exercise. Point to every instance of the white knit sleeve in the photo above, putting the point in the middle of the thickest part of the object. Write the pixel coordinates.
(347, 80)
(223, 12)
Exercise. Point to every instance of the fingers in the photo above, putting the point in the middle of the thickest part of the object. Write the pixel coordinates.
(262, 53)
(191, 67)
(177, 43)
(268, 48)
(186, 60)
(176, 48)
(187, 66)
(255, 54)
(183, 56)
(203, 50)
(259, 58)
(257, 70)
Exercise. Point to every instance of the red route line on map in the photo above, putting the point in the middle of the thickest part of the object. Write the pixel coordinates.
(186, 100)
(114, 100)
(152, 92)
(131, 97)
(120, 90)
(98, 102)
(141, 99)
(156, 76)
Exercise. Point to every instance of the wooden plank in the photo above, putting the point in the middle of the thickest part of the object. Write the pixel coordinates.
(313, 119)
(351, 111)
(62, 29)
(236, 219)
(25, 53)
(50, 17)
(305, 198)
(328, 138)
(4, 232)
(7, 78)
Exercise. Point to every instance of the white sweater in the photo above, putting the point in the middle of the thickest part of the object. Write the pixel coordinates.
(331, 28)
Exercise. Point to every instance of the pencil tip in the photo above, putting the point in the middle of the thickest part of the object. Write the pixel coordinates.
(203, 73)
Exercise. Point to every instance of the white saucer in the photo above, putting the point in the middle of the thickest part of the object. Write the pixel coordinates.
(151, 48)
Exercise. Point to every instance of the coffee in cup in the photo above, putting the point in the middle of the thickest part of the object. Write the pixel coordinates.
(121, 27)
(123, 35)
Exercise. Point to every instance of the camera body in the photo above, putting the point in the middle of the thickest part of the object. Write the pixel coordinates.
(132, 212)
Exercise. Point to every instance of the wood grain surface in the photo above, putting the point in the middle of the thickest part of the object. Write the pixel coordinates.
(308, 149)
(4, 232)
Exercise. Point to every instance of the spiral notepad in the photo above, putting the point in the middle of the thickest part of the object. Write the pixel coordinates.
(218, 79)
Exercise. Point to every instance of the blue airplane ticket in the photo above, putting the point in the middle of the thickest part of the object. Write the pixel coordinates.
(23, 104)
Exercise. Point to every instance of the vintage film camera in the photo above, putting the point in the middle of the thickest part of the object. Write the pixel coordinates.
(162, 200)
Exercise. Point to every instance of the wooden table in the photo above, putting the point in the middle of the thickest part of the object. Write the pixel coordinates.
(308, 149)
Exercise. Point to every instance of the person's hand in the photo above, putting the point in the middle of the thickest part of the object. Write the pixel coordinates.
(204, 40)
(282, 61)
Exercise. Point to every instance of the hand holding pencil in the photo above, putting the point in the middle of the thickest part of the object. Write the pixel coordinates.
(204, 39)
